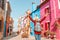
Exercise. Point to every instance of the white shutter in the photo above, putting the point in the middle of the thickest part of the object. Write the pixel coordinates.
(59, 4)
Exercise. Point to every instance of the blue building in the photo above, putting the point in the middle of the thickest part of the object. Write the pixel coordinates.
(35, 11)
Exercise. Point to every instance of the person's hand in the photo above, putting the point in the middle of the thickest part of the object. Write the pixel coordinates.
(47, 14)
(28, 12)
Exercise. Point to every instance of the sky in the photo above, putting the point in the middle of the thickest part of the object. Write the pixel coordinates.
(19, 7)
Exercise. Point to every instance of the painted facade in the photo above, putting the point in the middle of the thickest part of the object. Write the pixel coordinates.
(33, 14)
(1, 18)
(9, 20)
(45, 8)
(55, 8)
(52, 7)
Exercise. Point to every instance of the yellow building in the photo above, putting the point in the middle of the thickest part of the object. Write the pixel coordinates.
(26, 28)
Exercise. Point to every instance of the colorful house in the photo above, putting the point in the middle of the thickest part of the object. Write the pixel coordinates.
(52, 7)
(45, 8)
(35, 11)
(9, 20)
(1, 18)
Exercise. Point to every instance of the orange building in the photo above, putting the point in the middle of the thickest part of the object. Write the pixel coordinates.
(1, 18)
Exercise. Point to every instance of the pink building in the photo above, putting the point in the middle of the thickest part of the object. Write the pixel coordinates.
(52, 7)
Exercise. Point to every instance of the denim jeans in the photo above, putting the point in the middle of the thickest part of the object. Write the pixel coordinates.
(37, 37)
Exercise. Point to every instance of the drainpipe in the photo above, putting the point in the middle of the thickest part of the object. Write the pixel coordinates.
(5, 10)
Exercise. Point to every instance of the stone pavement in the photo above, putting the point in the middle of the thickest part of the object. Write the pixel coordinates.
(19, 38)
(30, 38)
(14, 36)
(10, 36)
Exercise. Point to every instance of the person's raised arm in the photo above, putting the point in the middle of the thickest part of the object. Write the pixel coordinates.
(31, 18)
(44, 17)
(28, 15)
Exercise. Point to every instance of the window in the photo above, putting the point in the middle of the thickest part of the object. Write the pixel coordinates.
(47, 10)
(42, 25)
(0, 25)
(0, 3)
(59, 4)
(47, 26)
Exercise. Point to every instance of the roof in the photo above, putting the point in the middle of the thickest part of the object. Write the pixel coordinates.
(43, 3)
(35, 10)
(9, 7)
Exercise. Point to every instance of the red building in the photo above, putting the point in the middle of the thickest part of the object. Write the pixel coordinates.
(45, 8)
(52, 7)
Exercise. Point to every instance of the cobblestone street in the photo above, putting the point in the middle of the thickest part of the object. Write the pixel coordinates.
(19, 38)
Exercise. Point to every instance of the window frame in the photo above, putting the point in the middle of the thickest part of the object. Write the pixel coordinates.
(47, 9)
(59, 4)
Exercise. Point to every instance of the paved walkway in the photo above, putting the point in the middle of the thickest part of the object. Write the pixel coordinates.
(30, 38)
(19, 38)
(14, 36)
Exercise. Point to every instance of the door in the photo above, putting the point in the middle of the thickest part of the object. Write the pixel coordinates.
(47, 26)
